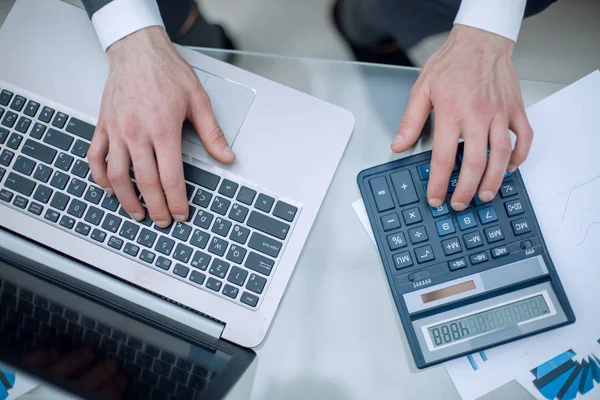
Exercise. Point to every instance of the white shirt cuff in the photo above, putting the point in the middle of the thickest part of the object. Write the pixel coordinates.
(502, 17)
(120, 18)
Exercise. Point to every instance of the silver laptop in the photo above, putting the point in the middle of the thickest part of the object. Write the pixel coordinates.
(231, 262)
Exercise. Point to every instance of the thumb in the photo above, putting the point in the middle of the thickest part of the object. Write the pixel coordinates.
(415, 116)
(211, 135)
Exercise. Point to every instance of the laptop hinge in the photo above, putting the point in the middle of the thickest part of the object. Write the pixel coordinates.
(58, 267)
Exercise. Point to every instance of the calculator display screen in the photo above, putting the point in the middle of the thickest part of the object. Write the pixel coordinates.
(487, 321)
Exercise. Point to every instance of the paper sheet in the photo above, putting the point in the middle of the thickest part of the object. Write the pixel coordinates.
(20, 383)
(562, 176)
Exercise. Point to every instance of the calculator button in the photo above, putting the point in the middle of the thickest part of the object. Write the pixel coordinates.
(514, 207)
(445, 227)
(494, 234)
(520, 226)
(396, 241)
(500, 251)
(418, 235)
(390, 222)
(457, 264)
(424, 254)
(508, 189)
(487, 215)
(473, 240)
(477, 201)
(439, 211)
(381, 193)
(451, 246)
(479, 258)
(452, 183)
(405, 189)
(466, 221)
(403, 260)
(412, 216)
(423, 171)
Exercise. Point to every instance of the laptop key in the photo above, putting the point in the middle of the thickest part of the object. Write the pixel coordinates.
(67, 222)
(199, 239)
(60, 201)
(202, 198)
(181, 231)
(203, 219)
(220, 205)
(238, 213)
(59, 180)
(38, 130)
(285, 211)
(200, 260)
(9, 119)
(129, 230)
(58, 139)
(147, 238)
(51, 215)
(23, 124)
(236, 254)
(217, 246)
(94, 194)
(264, 203)
(18, 103)
(24, 165)
(221, 227)
(197, 277)
(5, 97)
(14, 141)
(42, 173)
(20, 202)
(219, 268)
(181, 270)
(163, 263)
(115, 242)
(83, 229)
(3, 135)
(19, 184)
(77, 208)
(147, 256)
(76, 187)
(80, 148)
(110, 202)
(237, 276)
(39, 151)
(249, 299)
(98, 235)
(265, 244)
(256, 283)
(6, 157)
(60, 120)
(164, 245)
(32, 108)
(63, 161)
(268, 225)
(230, 291)
(42, 194)
(35, 208)
(46, 114)
(131, 249)
(259, 263)
(214, 284)
(182, 253)
(80, 128)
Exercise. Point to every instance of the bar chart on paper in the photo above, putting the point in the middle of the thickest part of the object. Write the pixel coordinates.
(7, 382)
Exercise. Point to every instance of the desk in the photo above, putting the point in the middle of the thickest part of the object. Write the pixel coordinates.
(337, 335)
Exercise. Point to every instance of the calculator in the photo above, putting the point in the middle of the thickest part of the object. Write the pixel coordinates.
(462, 281)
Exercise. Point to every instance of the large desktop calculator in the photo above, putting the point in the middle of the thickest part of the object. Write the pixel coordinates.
(462, 281)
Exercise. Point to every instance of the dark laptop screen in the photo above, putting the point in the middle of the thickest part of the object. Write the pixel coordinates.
(75, 342)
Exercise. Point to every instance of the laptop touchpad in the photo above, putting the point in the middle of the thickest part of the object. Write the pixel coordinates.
(230, 102)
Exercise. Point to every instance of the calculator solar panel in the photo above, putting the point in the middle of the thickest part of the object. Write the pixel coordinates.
(462, 281)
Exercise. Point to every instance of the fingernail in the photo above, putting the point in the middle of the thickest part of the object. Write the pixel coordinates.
(486, 196)
(179, 217)
(458, 206)
(109, 191)
(511, 168)
(229, 153)
(138, 216)
(162, 224)
(435, 202)
(397, 140)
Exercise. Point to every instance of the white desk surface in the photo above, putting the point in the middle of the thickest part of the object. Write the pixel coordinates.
(337, 335)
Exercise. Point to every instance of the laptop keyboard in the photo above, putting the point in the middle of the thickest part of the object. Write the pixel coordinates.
(33, 321)
(230, 246)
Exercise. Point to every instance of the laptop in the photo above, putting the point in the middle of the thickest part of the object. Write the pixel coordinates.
(230, 264)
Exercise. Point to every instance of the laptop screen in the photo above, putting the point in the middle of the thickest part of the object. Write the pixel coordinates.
(75, 342)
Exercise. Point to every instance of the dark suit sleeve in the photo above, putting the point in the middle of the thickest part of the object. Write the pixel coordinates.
(91, 6)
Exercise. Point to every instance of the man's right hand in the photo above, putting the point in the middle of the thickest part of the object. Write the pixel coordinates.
(151, 90)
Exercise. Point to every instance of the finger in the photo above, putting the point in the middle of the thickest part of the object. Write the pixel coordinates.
(519, 124)
(208, 129)
(413, 120)
(99, 375)
(118, 174)
(148, 181)
(170, 167)
(500, 149)
(115, 389)
(472, 167)
(445, 143)
(97, 158)
(73, 363)
(42, 357)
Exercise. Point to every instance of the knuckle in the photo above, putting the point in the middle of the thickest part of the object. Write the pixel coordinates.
(118, 177)
(475, 161)
(444, 160)
(503, 150)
